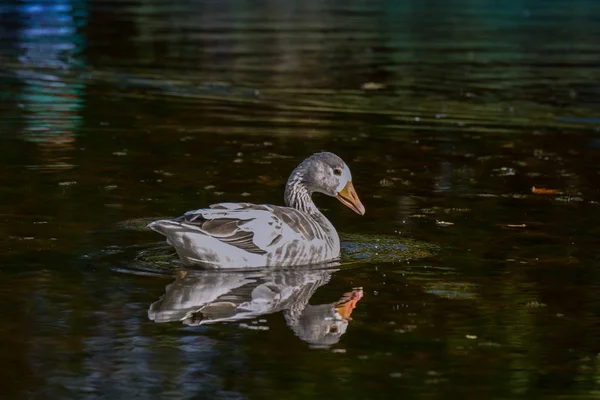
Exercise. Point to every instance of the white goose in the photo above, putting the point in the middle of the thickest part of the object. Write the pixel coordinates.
(244, 235)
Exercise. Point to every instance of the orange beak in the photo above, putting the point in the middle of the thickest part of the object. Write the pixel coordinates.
(349, 198)
(347, 303)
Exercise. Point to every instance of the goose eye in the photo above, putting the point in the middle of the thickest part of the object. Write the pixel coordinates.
(333, 329)
(337, 172)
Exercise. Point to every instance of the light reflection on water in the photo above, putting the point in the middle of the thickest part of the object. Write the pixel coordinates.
(48, 39)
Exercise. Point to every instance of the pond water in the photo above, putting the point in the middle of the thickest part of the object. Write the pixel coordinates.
(473, 134)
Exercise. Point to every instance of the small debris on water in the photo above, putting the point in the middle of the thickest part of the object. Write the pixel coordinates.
(444, 223)
(535, 304)
(372, 86)
(386, 183)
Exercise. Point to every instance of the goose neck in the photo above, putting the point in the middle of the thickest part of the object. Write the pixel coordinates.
(297, 194)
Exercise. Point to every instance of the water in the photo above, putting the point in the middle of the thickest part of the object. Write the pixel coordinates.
(449, 113)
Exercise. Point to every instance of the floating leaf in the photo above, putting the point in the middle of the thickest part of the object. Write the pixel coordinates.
(543, 191)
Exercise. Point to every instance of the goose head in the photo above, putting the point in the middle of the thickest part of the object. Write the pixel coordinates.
(328, 174)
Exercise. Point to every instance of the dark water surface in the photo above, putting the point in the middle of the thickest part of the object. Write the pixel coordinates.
(460, 280)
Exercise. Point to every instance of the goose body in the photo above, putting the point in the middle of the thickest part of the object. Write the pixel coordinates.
(244, 235)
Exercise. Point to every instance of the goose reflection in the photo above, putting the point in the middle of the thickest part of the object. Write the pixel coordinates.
(198, 297)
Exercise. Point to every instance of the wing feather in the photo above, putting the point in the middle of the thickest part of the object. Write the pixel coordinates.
(237, 224)
(253, 228)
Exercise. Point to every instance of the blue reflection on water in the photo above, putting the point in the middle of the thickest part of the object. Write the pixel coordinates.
(48, 45)
(48, 34)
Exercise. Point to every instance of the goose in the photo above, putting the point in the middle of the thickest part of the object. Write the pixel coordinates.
(245, 235)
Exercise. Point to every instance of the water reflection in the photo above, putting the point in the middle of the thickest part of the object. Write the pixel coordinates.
(198, 297)
(48, 44)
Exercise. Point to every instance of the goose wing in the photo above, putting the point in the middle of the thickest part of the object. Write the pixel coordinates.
(257, 229)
